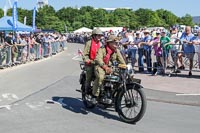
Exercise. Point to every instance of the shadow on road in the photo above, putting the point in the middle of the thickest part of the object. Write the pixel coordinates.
(76, 105)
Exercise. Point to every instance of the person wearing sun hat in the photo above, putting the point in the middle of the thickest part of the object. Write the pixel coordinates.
(106, 56)
(144, 49)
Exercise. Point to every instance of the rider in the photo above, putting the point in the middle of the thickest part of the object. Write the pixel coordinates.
(89, 54)
(106, 56)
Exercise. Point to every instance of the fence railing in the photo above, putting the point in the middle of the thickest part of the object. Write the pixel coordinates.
(14, 55)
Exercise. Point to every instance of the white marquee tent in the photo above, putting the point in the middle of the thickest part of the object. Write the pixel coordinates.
(83, 29)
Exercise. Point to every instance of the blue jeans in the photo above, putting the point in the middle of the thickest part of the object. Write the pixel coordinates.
(45, 49)
(62, 44)
(147, 53)
(148, 59)
(8, 56)
(0, 58)
(19, 55)
(53, 46)
(132, 55)
(140, 59)
(57, 46)
(37, 51)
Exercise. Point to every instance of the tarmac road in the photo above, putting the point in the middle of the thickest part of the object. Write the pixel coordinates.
(26, 89)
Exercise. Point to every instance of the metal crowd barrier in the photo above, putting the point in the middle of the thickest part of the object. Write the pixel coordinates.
(154, 65)
(23, 54)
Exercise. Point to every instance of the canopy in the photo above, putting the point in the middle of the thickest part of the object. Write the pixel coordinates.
(104, 29)
(6, 25)
(83, 29)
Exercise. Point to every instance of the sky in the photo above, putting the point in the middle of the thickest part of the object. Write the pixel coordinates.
(178, 7)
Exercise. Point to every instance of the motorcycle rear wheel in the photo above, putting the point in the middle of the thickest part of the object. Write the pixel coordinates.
(134, 101)
(86, 102)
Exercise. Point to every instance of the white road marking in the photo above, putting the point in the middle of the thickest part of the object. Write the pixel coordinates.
(35, 106)
(6, 106)
(77, 57)
(187, 94)
(9, 96)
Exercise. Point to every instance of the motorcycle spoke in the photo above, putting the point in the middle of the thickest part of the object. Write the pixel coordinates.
(131, 106)
(130, 113)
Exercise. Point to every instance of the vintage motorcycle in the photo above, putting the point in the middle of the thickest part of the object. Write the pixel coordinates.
(119, 90)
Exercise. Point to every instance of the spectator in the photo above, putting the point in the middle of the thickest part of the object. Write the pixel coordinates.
(176, 51)
(25, 49)
(188, 47)
(45, 45)
(38, 42)
(165, 44)
(132, 48)
(124, 45)
(158, 51)
(32, 44)
(17, 42)
(9, 44)
(145, 50)
(197, 42)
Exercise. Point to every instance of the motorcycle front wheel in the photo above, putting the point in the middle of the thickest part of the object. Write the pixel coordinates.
(131, 104)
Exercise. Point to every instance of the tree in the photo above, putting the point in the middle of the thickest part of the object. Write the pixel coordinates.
(147, 17)
(122, 17)
(167, 18)
(99, 18)
(1, 13)
(46, 19)
(187, 20)
(52, 22)
(69, 15)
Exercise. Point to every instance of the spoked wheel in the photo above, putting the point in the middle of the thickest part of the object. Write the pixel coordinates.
(131, 105)
(85, 98)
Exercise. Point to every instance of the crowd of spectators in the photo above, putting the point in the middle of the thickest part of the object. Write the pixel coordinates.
(166, 46)
(21, 48)
(157, 49)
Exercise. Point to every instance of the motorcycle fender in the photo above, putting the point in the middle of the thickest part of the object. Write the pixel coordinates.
(137, 86)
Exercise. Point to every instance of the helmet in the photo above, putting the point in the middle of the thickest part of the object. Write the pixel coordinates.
(97, 32)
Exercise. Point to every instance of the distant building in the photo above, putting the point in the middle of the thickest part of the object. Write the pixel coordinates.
(112, 9)
(41, 3)
(196, 19)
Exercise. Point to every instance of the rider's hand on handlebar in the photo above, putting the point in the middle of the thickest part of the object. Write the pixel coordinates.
(107, 69)
(87, 62)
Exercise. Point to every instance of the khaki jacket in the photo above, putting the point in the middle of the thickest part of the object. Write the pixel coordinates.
(114, 57)
(86, 52)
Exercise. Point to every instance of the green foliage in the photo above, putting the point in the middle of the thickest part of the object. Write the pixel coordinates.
(87, 16)
(187, 20)
(147, 17)
(167, 17)
(1, 13)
